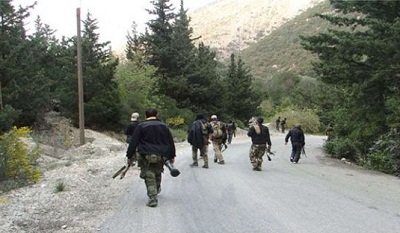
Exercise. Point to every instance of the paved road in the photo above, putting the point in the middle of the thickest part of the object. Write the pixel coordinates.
(317, 195)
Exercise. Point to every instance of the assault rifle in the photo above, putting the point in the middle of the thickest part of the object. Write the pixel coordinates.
(225, 147)
(303, 151)
(267, 153)
(122, 171)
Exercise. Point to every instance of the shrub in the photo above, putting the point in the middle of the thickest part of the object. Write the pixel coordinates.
(175, 122)
(8, 115)
(380, 161)
(179, 135)
(341, 149)
(307, 117)
(17, 162)
(60, 186)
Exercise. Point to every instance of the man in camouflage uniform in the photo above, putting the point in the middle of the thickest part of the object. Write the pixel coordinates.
(155, 144)
(198, 135)
(260, 138)
(218, 138)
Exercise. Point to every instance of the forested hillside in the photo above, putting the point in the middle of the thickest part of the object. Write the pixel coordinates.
(228, 26)
(281, 51)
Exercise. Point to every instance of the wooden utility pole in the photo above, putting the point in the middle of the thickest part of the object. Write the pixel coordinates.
(80, 78)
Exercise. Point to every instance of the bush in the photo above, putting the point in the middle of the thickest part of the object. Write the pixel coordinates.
(8, 115)
(307, 118)
(338, 148)
(17, 162)
(384, 155)
(179, 134)
(380, 161)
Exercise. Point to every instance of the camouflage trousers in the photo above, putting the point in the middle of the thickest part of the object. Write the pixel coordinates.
(217, 147)
(203, 154)
(256, 154)
(151, 170)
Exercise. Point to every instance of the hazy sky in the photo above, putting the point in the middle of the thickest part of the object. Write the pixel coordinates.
(114, 17)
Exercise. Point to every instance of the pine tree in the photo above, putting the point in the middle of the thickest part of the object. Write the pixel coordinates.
(101, 97)
(206, 88)
(243, 102)
(157, 42)
(14, 64)
(362, 59)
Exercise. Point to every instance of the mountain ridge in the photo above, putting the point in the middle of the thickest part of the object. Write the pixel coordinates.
(232, 25)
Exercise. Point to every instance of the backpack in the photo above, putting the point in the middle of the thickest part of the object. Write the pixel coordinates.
(218, 131)
(204, 128)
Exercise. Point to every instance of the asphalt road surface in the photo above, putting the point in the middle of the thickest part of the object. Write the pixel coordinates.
(317, 195)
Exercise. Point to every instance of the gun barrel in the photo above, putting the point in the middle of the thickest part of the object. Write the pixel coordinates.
(119, 171)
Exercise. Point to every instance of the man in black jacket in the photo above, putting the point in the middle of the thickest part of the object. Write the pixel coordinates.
(198, 135)
(155, 144)
(260, 138)
(129, 131)
(296, 136)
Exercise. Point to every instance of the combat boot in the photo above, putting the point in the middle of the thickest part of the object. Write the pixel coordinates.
(221, 162)
(205, 166)
(194, 164)
(153, 202)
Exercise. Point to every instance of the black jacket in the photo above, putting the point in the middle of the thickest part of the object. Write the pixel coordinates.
(296, 135)
(131, 128)
(196, 137)
(152, 137)
(262, 138)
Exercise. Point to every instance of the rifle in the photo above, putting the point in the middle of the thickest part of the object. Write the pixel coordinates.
(303, 151)
(122, 171)
(173, 171)
(267, 152)
(225, 147)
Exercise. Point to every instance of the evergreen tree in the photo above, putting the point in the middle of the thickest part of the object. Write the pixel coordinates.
(157, 42)
(206, 91)
(101, 98)
(181, 59)
(14, 65)
(243, 102)
(362, 59)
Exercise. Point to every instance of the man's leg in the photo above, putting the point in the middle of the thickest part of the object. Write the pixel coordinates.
(260, 154)
(293, 154)
(217, 146)
(151, 185)
(204, 153)
(253, 156)
(297, 152)
(194, 157)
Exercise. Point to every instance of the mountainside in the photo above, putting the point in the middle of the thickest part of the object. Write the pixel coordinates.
(232, 25)
(281, 51)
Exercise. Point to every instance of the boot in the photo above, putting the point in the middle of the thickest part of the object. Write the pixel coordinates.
(194, 164)
(153, 202)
